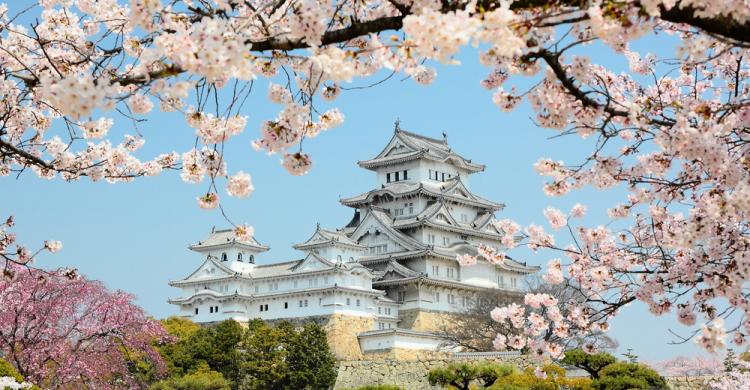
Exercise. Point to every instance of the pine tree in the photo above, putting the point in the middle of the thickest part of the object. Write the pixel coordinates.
(310, 362)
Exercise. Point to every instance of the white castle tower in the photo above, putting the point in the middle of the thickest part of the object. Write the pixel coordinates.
(386, 280)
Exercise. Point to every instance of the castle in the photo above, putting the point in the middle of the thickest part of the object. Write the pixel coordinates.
(385, 281)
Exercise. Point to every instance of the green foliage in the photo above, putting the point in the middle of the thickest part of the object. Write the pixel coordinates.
(261, 357)
(528, 380)
(199, 380)
(310, 362)
(379, 387)
(215, 347)
(264, 364)
(591, 363)
(462, 375)
(283, 357)
(626, 376)
(7, 369)
(180, 327)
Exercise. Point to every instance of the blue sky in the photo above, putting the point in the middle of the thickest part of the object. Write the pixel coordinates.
(134, 236)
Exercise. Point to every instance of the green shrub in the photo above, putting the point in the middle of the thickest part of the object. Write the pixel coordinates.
(7, 369)
(462, 375)
(528, 380)
(591, 363)
(201, 380)
(626, 376)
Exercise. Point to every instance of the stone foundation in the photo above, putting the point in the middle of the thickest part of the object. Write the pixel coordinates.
(408, 374)
(425, 320)
(342, 334)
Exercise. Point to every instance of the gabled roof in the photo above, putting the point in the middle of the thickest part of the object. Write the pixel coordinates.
(446, 189)
(323, 237)
(212, 261)
(407, 146)
(226, 237)
(385, 221)
(313, 261)
(394, 270)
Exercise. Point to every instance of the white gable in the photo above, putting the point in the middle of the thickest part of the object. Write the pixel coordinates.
(210, 269)
(312, 263)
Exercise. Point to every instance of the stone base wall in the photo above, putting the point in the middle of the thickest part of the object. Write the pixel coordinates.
(408, 374)
(342, 334)
(689, 382)
(425, 320)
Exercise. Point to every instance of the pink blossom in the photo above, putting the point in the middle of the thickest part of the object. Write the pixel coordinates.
(555, 217)
(297, 164)
(208, 201)
(240, 185)
(466, 260)
(244, 232)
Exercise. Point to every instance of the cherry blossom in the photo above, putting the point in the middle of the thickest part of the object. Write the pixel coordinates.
(669, 129)
(240, 185)
(54, 311)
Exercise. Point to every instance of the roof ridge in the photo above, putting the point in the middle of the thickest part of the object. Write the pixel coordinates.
(424, 137)
(274, 264)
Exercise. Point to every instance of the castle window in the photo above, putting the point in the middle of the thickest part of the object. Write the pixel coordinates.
(406, 176)
(286, 305)
(451, 299)
(436, 270)
(357, 302)
(295, 284)
(387, 177)
(379, 308)
(239, 256)
(437, 297)
(211, 309)
(348, 301)
(252, 259)
(401, 296)
(196, 311)
(224, 256)
(300, 303)
(443, 177)
(397, 179)
(338, 258)
(351, 258)
(305, 302)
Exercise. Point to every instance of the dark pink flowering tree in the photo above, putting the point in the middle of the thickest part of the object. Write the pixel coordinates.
(61, 330)
(674, 129)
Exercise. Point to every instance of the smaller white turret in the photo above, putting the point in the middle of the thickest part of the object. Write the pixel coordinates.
(237, 255)
(334, 246)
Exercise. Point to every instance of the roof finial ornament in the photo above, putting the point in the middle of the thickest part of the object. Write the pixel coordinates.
(397, 125)
(213, 229)
(445, 137)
